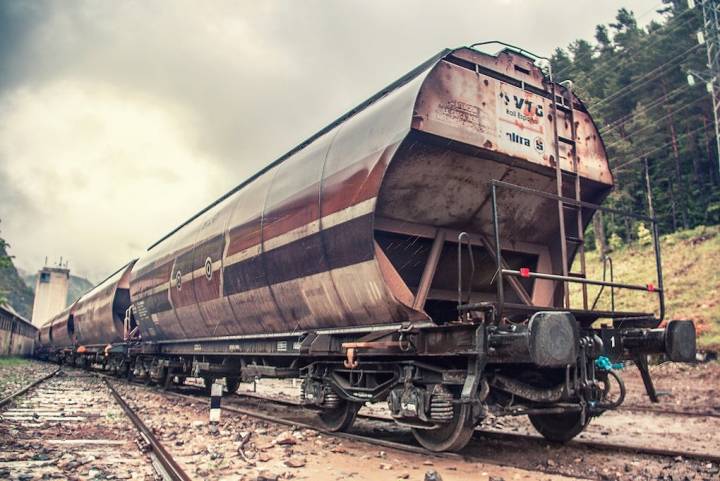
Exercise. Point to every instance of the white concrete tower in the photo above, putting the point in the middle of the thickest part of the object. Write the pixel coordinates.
(51, 289)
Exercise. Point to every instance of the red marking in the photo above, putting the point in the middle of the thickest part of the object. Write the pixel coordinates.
(524, 272)
(651, 287)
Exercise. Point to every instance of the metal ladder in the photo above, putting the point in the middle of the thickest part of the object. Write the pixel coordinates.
(565, 208)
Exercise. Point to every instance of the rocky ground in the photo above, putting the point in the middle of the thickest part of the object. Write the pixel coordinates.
(69, 428)
(687, 388)
(693, 388)
(17, 373)
(244, 448)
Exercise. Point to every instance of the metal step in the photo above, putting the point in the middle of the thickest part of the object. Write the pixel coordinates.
(571, 206)
(574, 240)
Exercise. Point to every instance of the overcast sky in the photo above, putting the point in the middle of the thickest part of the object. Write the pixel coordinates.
(120, 119)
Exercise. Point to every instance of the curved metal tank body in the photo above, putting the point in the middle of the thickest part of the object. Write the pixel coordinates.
(294, 248)
(43, 340)
(62, 328)
(99, 314)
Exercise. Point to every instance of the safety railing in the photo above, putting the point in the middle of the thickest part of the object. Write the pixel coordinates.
(502, 272)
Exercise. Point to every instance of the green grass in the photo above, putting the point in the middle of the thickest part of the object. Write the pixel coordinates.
(691, 273)
(12, 361)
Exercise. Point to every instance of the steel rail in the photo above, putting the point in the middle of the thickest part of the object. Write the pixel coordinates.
(599, 445)
(479, 433)
(288, 422)
(606, 446)
(22, 391)
(669, 412)
(171, 467)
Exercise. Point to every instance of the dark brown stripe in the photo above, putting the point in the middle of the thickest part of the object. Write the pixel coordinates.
(244, 236)
(157, 302)
(346, 244)
(341, 190)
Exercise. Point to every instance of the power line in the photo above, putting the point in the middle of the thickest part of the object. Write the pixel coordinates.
(655, 121)
(656, 101)
(629, 59)
(711, 31)
(652, 151)
(645, 78)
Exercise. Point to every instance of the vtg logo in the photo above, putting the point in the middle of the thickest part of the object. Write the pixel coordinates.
(525, 106)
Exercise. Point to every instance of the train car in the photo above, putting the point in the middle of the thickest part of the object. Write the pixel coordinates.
(17, 334)
(99, 316)
(418, 251)
(57, 337)
(83, 333)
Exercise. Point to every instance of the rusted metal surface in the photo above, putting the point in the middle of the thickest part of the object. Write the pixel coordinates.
(61, 332)
(295, 248)
(17, 334)
(99, 314)
(503, 105)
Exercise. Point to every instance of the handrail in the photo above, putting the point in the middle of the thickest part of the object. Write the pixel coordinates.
(466, 236)
(580, 280)
(500, 272)
(607, 260)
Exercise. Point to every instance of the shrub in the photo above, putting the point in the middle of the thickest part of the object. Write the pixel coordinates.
(615, 241)
(644, 235)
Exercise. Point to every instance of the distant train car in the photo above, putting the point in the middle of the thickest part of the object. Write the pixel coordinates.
(81, 333)
(17, 334)
(99, 314)
(417, 251)
(57, 336)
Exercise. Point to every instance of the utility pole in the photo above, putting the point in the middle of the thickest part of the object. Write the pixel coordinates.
(651, 209)
(710, 36)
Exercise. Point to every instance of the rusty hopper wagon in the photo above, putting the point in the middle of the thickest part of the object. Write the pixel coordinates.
(418, 251)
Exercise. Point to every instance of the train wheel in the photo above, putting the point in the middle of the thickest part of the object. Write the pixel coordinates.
(340, 418)
(559, 428)
(452, 436)
(232, 384)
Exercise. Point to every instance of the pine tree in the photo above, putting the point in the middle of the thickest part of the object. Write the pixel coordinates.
(633, 80)
(5, 261)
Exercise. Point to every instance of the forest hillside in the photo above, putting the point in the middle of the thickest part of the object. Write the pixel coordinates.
(634, 82)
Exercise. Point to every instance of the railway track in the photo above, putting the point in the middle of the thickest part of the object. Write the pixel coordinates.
(380, 431)
(669, 412)
(480, 433)
(69, 427)
(25, 389)
(507, 436)
(169, 467)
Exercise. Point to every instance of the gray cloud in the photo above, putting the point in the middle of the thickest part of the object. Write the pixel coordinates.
(158, 107)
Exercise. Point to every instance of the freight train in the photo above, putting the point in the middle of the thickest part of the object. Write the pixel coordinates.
(419, 251)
